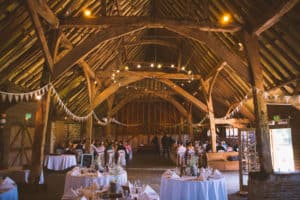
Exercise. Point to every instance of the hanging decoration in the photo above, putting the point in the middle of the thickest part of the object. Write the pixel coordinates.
(10, 96)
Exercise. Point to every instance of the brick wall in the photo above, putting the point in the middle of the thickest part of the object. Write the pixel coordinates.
(274, 187)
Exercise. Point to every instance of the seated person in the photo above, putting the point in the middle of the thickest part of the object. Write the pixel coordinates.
(220, 148)
(69, 147)
(181, 149)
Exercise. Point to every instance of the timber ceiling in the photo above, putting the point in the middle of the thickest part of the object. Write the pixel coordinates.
(126, 33)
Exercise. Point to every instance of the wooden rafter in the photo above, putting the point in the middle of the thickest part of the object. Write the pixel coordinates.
(273, 16)
(112, 89)
(212, 42)
(33, 7)
(80, 51)
(161, 95)
(185, 94)
(147, 74)
(150, 22)
(153, 41)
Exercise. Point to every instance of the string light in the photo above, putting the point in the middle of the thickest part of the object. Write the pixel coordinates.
(87, 13)
(159, 66)
(138, 66)
(38, 97)
(226, 18)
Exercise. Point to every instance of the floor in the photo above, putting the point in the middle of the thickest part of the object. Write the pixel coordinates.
(146, 167)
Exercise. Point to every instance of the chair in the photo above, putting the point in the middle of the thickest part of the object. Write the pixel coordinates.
(78, 153)
(111, 157)
(121, 158)
(180, 158)
(101, 160)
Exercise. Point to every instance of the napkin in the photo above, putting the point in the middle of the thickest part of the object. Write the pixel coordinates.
(149, 194)
(7, 184)
(83, 198)
(216, 174)
(75, 173)
(8, 181)
(174, 175)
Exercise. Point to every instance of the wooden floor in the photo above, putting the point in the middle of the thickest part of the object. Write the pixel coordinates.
(145, 166)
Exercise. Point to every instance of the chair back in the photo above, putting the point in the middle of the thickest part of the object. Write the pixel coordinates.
(101, 159)
(79, 153)
(111, 157)
(121, 158)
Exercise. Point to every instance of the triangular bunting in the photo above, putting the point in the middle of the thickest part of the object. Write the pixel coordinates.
(16, 97)
(10, 97)
(21, 96)
(3, 97)
(27, 96)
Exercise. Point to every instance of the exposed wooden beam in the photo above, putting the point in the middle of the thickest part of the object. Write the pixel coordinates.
(273, 16)
(112, 89)
(185, 94)
(260, 108)
(153, 41)
(46, 13)
(80, 51)
(216, 70)
(161, 95)
(297, 88)
(103, 8)
(147, 74)
(150, 22)
(214, 43)
(32, 6)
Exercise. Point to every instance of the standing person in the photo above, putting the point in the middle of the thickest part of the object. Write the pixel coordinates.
(165, 147)
(128, 150)
(155, 143)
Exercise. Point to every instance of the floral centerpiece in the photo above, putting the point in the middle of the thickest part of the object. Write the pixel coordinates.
(192, 165)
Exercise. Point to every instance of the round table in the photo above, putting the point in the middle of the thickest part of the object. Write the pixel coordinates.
(9, 194)
(59, 162)
(190, 188)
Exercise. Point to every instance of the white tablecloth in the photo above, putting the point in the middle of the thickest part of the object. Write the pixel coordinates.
(75, 182)
(59, 162)
(191, 189)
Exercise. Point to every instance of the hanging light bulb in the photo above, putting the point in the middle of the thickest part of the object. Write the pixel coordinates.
(126, 68)
(226, 18)
(190, 72)
(172, 66)
(151, 65)
(138, 66)
(159, 66)
(87, 12)
(183, 68)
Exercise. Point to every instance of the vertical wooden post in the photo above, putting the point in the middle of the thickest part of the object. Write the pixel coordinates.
(260, 107)
(110, 102)
(190, 127)
(40, 131)
(4, 141)
(206, 89)
(212, 124)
